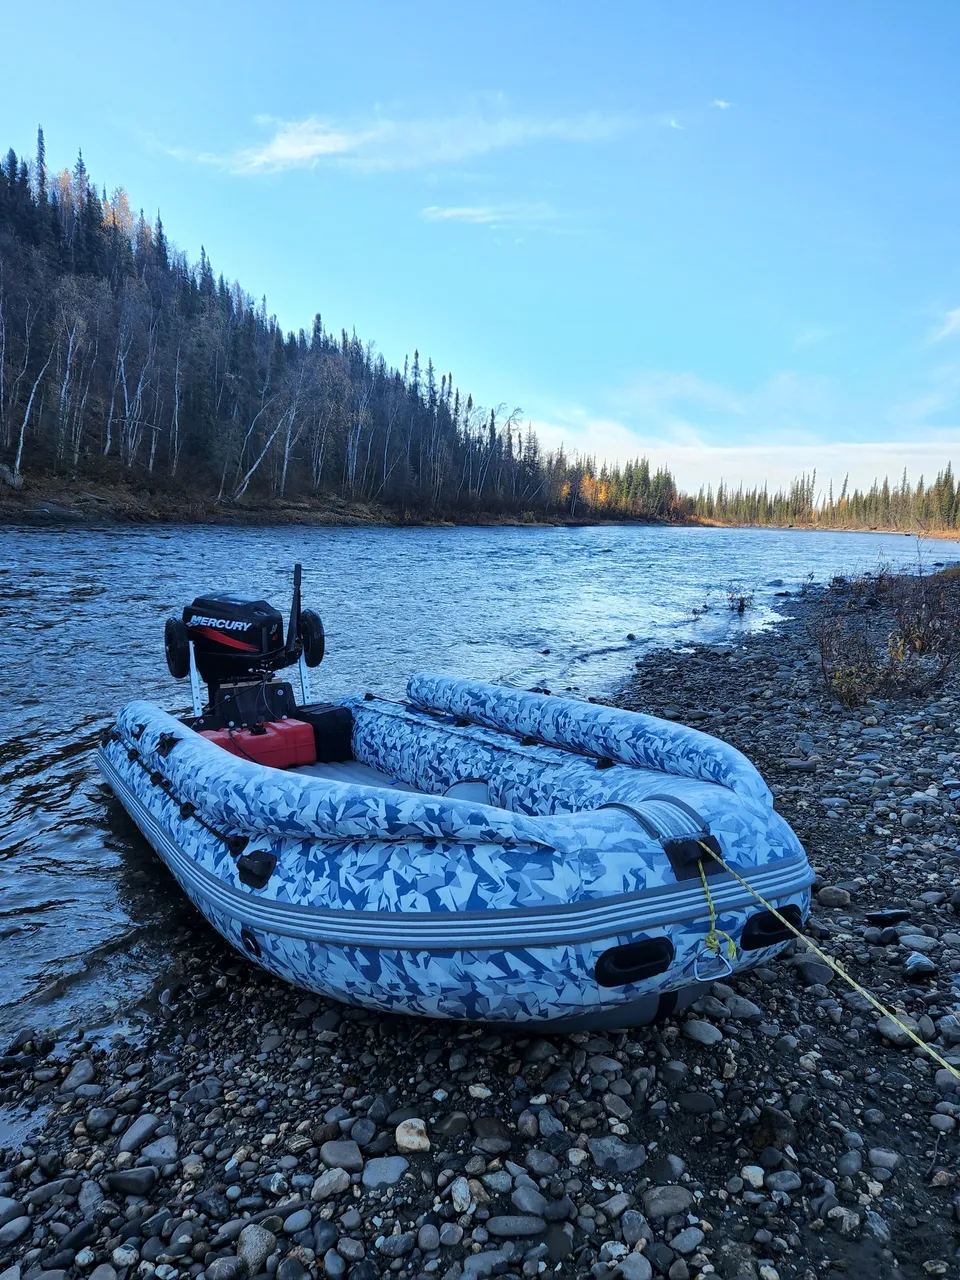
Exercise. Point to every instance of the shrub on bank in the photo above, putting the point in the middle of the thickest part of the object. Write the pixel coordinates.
(887, 635)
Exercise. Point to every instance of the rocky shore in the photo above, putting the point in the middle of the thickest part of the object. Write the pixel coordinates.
(779, 1129)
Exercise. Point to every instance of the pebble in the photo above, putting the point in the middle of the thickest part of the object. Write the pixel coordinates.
(255, 1244)
(411, 1136)
(252, 1108)
(635, 1267)
(332, 1182)
(702, 1032)
(831, 896)
(664, 1202)
(613, 1156)
(428, 1238)
(342, 1154)
(384, 1172)
(14, 1230)
(139, 1132)
(299, 1220)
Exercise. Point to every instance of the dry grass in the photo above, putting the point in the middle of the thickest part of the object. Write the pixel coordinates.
(888, 635)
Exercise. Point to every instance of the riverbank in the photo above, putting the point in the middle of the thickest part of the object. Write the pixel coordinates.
(774, 1132)
(50, 502)
(45, 502)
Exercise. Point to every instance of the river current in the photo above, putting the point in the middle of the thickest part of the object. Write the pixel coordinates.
(88, 916)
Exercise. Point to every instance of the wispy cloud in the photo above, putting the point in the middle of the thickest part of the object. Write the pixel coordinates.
(789, 423)
(393, 144)
(809, 337)
(675, 124)
(950, 328)
(722, 104)
(536, 214)
(698, 461)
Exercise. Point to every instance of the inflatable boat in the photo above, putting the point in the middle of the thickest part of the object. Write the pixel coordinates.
(472, 851)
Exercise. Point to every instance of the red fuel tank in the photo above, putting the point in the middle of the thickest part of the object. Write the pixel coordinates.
(282, 744)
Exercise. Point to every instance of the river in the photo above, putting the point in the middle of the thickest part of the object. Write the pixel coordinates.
(88, 917)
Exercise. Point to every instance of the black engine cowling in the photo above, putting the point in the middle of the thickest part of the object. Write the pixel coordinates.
(235, 638)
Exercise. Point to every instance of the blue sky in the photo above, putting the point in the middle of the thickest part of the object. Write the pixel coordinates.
(724, 234)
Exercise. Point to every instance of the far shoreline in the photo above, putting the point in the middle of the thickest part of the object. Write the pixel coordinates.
(40, 505)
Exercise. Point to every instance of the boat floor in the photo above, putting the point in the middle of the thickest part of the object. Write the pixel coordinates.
(353, 771)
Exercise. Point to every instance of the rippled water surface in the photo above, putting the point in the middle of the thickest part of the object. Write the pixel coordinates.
(87, 914)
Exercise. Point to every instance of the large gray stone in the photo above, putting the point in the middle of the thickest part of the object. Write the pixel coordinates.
(254, 1246)
(396, 1246)
(82, 1072)
(332, 1182)
(635, 1267)
(529, 1199)
(702, 1032)
(9, 1209)
(385, 1171)
(483, 1264)
(133, 1182)
(299, 1220)
(664, 1202)
(226, 1268)
(613, 1156)
(342, 1154)
(139, 1132)
(162, 1151)
(14, 1230)
(513, 1225)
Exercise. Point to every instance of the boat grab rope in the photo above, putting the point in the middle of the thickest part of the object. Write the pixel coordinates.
(235, 844)
(835, 965)
(712, 942)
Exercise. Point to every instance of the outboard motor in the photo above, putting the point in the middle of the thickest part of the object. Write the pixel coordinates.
(236, 646)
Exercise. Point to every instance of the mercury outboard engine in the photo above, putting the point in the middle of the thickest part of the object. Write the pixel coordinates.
(237, 647)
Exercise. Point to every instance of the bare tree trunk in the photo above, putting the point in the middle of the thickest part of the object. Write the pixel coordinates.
(26, 413)
(175, 445)
(263, 453)
(64, 398)
(15, 385)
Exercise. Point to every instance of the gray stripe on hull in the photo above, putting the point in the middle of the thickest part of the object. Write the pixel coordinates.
(490, 930)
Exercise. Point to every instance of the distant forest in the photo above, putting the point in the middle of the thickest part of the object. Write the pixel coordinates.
(121, 359)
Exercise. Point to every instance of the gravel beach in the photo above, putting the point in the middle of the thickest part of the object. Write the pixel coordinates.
(778, 1129)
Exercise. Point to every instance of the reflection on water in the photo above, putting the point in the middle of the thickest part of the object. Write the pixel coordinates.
(87, 915)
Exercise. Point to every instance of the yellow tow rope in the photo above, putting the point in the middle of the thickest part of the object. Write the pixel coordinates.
(712, 940)
(712, 943)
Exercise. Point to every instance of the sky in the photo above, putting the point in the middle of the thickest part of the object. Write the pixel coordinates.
(725, 235)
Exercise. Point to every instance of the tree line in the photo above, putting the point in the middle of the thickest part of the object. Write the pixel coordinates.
(120, 358)
(118, 355)
(904, 506)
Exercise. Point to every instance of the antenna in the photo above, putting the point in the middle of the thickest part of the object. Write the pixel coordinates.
(293, 627)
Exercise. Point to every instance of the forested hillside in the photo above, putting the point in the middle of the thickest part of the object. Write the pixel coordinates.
(118, 356)
(122, 362)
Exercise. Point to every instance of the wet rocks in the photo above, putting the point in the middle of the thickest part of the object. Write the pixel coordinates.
(14, 1229)
(82, 1072)
(133, 1182)
(777, 1128)
(140, 1131)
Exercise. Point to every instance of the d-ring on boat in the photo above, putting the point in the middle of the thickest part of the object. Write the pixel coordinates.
(474, 851)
